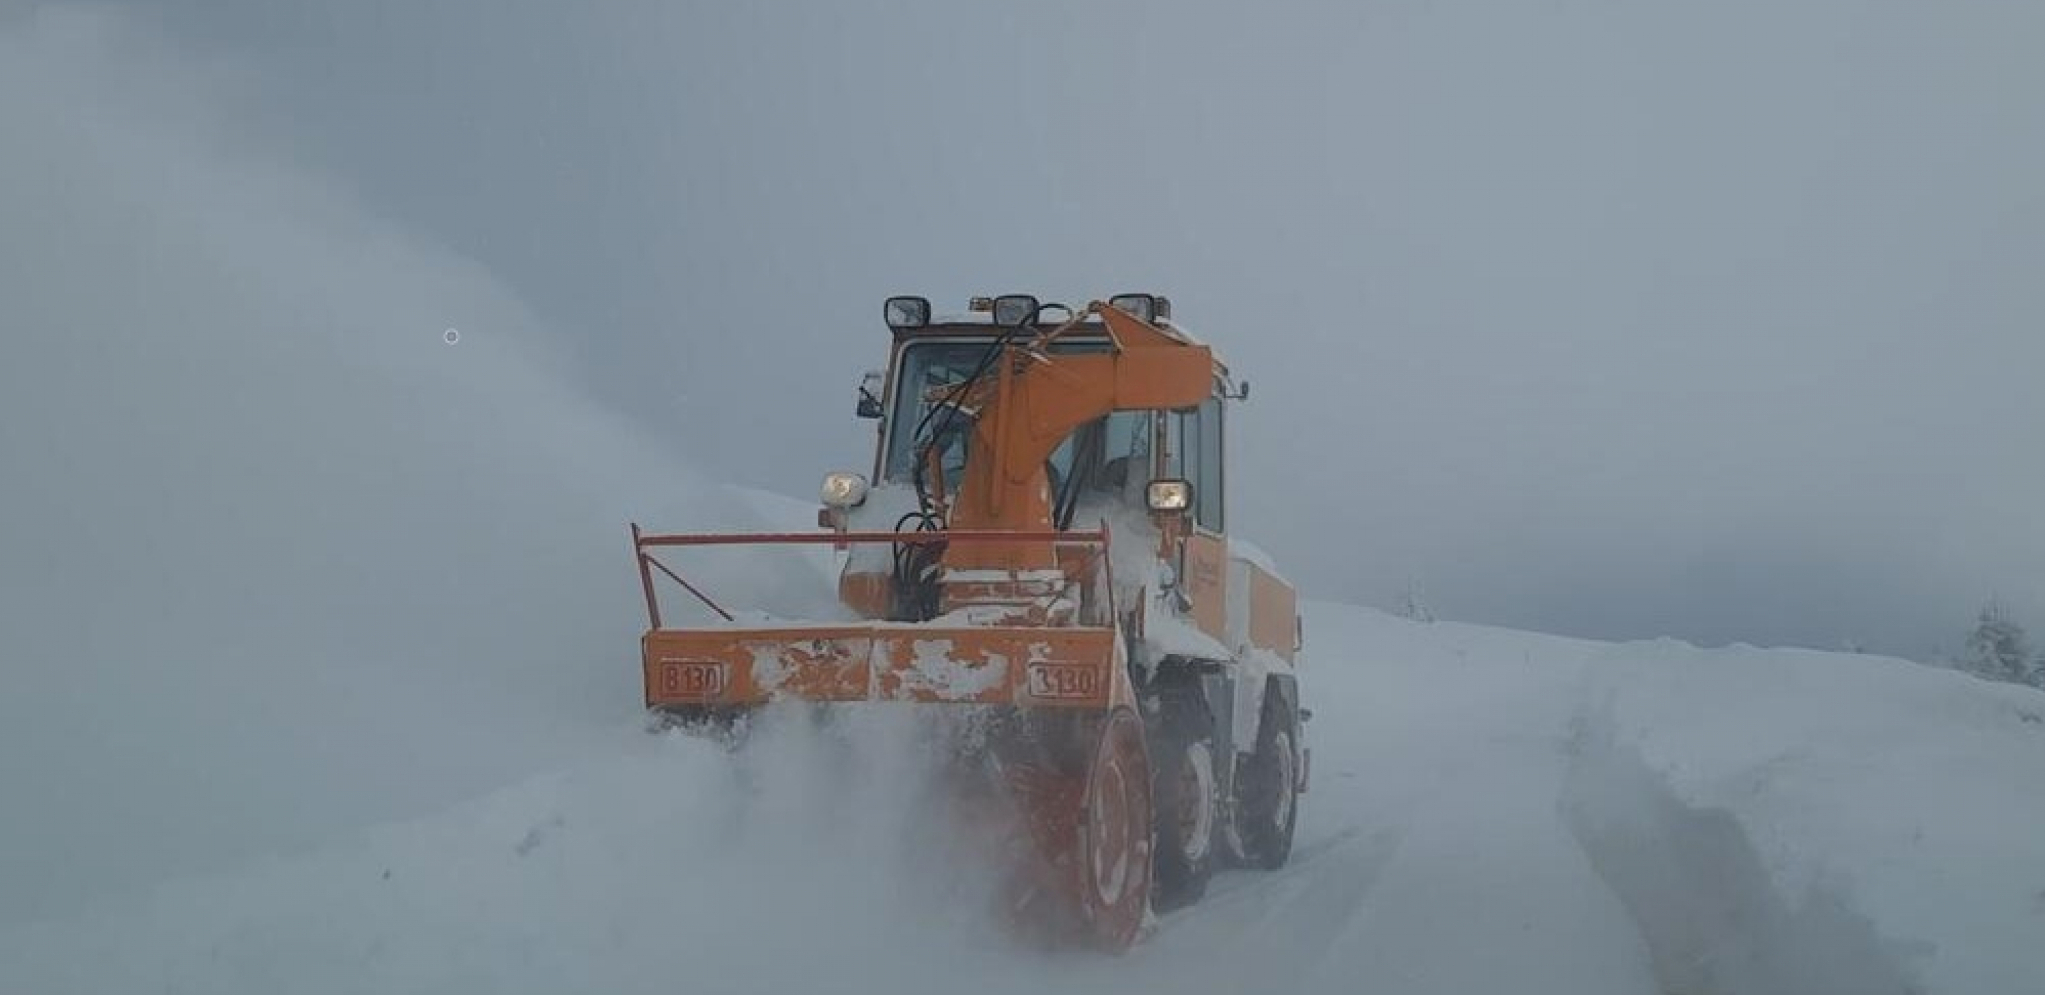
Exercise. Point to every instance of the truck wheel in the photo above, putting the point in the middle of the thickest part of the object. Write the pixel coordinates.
(1267, 789)
(1185, 793)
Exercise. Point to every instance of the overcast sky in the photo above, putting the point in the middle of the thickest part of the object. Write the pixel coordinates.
(1715, 320)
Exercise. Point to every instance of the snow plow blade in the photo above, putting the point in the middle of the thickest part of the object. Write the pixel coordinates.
(1026, 666)
(1054, 781)
(1073, 662)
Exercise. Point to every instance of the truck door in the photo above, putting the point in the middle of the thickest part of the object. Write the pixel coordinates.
(1194, 452)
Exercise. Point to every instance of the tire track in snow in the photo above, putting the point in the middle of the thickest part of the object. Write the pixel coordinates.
(1257, 931)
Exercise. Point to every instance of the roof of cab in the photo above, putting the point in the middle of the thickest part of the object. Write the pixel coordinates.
(982, 324)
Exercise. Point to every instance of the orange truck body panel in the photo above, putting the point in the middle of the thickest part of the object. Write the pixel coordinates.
(1274, 614)
(1206, 581)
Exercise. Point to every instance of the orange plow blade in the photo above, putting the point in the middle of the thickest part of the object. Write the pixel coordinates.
(1040, 667)
(1064, 784)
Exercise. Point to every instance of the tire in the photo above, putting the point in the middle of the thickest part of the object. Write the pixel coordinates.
(1187, 834)
(1267, 788)
(1115, 853)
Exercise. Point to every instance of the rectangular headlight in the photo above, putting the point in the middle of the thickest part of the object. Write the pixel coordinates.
(1015, 310)
(1169, 495)
(1142, 306)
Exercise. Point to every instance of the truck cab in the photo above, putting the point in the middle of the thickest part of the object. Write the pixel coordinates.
(1212, 629)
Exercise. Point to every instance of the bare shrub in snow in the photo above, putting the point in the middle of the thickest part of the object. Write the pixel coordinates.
(1999, 649)
(1413, 605)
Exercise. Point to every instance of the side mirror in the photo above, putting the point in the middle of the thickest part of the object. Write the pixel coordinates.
(1168, 496)
(869, 394)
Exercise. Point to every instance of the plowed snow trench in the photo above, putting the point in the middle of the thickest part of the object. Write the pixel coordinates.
(1697, 889)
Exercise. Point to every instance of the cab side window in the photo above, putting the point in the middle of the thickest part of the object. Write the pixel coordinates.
(1194, 438)
(1207, 477)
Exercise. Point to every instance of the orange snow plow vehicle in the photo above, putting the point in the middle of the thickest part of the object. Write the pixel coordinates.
(1042, 543)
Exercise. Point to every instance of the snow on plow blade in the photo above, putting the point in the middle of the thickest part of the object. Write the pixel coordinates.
(727, 664)
(1029, 666)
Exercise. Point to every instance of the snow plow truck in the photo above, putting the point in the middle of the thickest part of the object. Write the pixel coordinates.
(1042, 547)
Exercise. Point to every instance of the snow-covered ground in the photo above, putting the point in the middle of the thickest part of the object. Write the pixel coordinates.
(1492, 810)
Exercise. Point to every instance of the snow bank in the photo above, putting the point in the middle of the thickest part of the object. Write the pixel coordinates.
(1707, 909)
(1865, 788)
(1771, 821)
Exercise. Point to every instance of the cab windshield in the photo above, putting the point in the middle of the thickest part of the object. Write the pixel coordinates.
(927, 368)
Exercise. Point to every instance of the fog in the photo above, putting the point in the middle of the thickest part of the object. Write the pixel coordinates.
(1715, 321)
